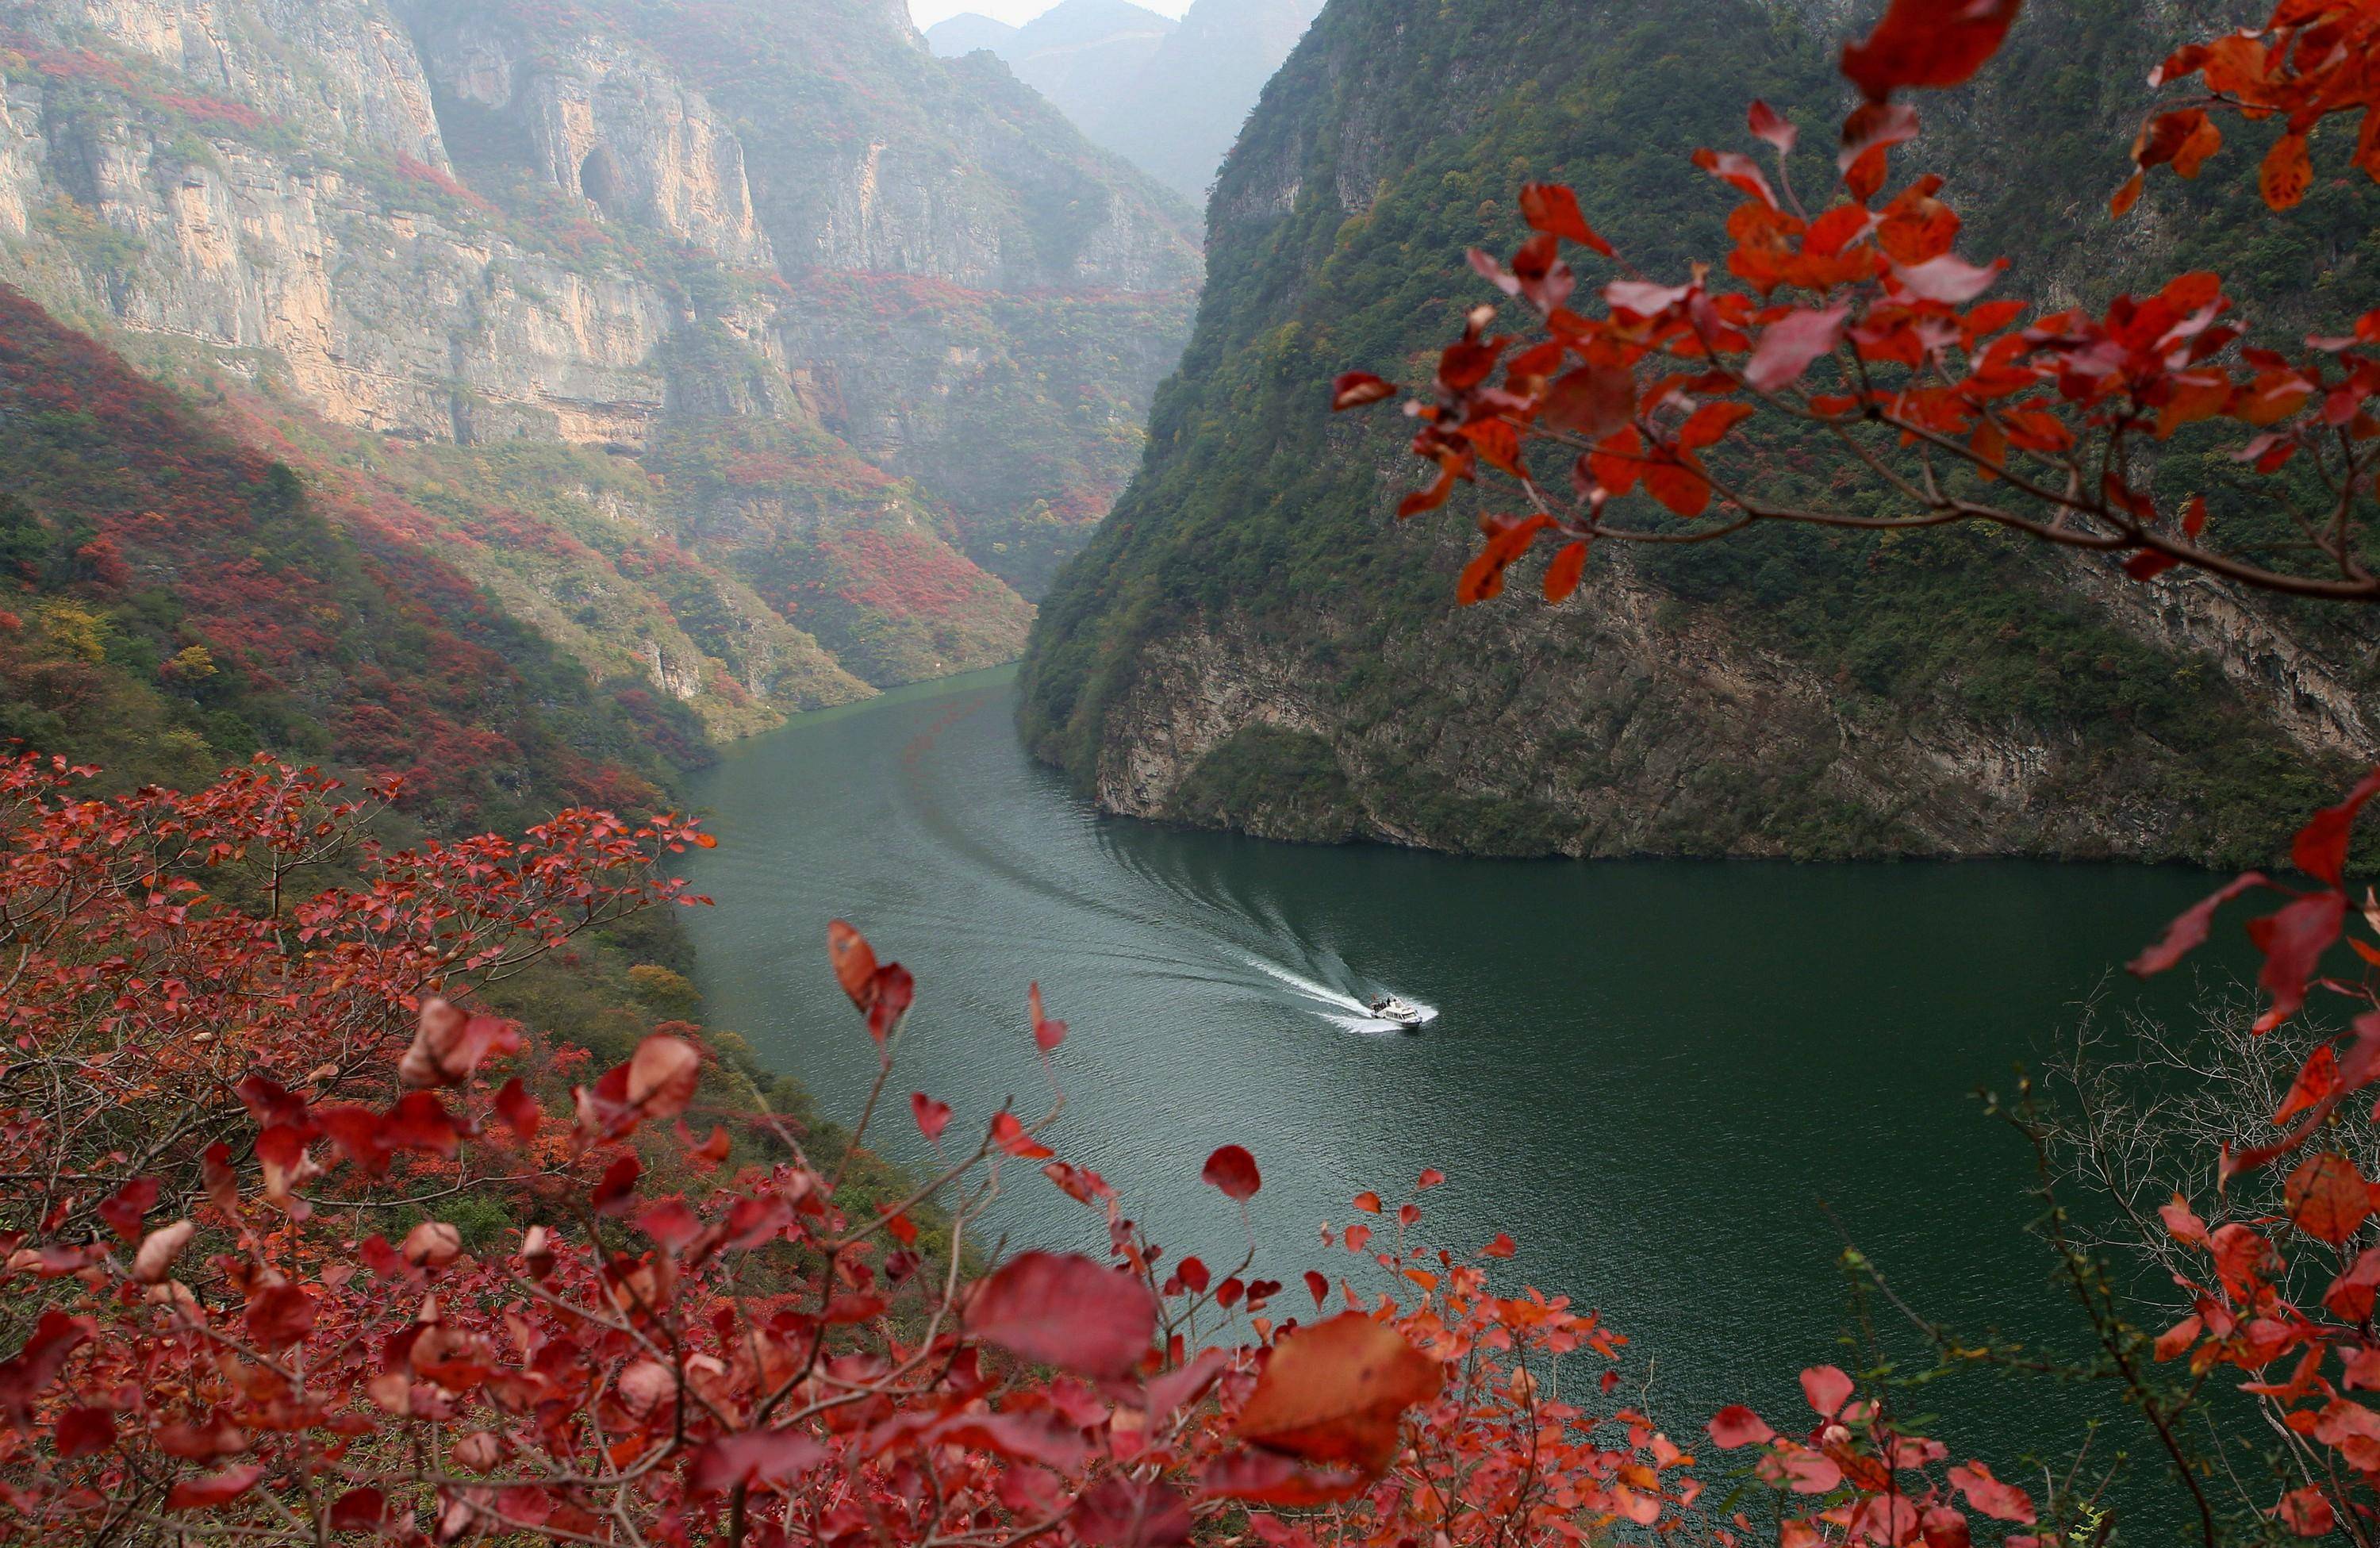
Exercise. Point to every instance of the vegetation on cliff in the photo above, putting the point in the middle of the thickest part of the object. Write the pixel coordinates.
(175, 601)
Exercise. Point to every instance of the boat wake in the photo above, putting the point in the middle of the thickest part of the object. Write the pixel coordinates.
(1339, 1007)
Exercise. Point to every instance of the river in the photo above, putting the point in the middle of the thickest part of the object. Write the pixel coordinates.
(1677, 1083)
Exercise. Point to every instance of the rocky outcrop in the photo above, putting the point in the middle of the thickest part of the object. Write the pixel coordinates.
(459, 226)
(1664, 735)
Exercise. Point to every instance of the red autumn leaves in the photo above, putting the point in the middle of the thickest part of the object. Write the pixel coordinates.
(1336, 1393)
(1945, 407)
(1876, 1480)
(883, 994)
(2293, 941)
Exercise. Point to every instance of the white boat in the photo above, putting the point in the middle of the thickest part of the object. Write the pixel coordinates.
(1390, 1008)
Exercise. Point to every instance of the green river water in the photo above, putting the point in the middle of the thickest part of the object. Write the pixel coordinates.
(1670, 1080)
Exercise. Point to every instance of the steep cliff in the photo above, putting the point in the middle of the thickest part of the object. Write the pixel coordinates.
(1251, 621)
(588, 275)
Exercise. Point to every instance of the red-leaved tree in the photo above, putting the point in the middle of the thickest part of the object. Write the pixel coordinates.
(1624, 412)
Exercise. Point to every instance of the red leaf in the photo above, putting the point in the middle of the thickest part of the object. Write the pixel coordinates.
(280, 1315)
(358, 1510)
(1484, 577)
(1168, 1394)
(2321, 847)
(2148, 563)
(1942, 1527)
(202, 1441)
(1736, 1425)
(1367, 1202)
(1040, 1437)
(1430, 1178)
(518, 1110)
(433, 1245)
(2306, 1512)
(2003, 1502)
(123, 1208)
(663, 1075)
(2293, 941)
(1503, 1247)
(2186, 933)
(1679, 485)
(1010, 1136)
(1788, 346)
(1335, 1393)
(1706, 424)
(1234, 1170)
(1826, 1388)
(1739, 171)
(1767, 124)
(214, 1489)
(768, 1458)
(617, 1190)
(1047, 1034)
(84, 1432)
(2317, 1080)
(1068, 1311)
(1927, 42)
(1594, 402)
(854, 960)
(448, 1045)
(2287, 172)
(1563, 574)
(2328, 1199)
(1553, 209)
(2350, 1296)
(932, 1116)
(1354, 389)
(419, 1122)
(895, 991)
(1949, 279)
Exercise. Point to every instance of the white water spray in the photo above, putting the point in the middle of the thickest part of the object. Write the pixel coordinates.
(1339, 1007)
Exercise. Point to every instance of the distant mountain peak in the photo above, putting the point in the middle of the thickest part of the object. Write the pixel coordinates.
(966, 33)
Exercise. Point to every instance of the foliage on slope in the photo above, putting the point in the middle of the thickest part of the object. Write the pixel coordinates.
(1423, 121)
(177, 601)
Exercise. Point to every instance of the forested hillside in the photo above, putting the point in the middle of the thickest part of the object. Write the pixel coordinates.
(1254, 641)
(172, 602)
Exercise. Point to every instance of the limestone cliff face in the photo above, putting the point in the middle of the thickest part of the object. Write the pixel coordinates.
(437, 225)
(1651, 730)
(1252, 642)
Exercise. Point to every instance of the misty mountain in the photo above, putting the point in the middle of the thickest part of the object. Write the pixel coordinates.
(1180, 119)
(1084, 56)
(1167, 97)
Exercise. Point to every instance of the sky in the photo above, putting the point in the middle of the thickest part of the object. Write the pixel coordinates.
(1014, 12)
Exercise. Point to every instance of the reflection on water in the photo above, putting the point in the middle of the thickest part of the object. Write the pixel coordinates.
(1680, 1085)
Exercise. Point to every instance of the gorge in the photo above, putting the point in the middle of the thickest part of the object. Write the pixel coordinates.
(747, 799)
